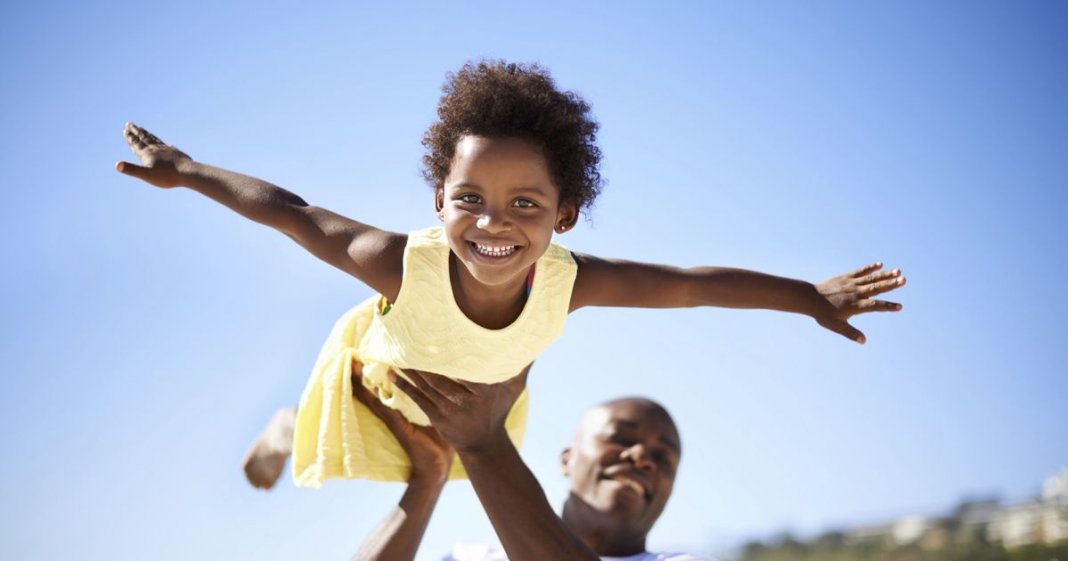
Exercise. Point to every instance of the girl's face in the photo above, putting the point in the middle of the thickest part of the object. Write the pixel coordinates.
(500, 208)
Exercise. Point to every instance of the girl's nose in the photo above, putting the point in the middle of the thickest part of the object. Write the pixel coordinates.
(494, 221)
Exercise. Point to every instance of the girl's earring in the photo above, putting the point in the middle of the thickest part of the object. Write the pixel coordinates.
(441, 215)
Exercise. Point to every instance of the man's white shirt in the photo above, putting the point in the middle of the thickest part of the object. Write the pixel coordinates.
(481, 552)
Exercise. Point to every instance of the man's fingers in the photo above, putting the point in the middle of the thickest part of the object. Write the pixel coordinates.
(519, 381)
(521, 378)
(364, 395)
(417, 395)
(133, 170)
(360, 392)
(450, 389)
(419, 379)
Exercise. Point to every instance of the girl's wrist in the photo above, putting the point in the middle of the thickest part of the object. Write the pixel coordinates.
(187, 168)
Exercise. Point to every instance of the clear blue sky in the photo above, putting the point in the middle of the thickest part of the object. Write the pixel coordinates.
(148, 334)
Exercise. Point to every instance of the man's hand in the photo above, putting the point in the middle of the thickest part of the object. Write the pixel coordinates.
(431, 456)
(852, 293)
(468, 415)
(159, 162)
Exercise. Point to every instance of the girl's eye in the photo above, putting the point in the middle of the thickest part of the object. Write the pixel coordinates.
(469, 198)
(525, 203)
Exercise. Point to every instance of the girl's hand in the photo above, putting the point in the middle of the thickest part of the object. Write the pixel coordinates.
(160, 162)
(431, 456)
(851, 294)
(468, 415)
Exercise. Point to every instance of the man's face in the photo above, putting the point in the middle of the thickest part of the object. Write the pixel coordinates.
(623, 461)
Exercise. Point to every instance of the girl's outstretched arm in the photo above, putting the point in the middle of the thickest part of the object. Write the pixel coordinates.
(374, 256)
(609, 282)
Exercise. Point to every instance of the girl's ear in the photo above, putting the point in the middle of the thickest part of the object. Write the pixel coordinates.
(565, 461)
(566, 217)
(439, 201)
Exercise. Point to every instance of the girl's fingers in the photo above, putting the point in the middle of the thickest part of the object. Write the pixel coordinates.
(132, 170)
(876, 277)
(881, 286)
(851, 333)
(878, 306)
(134, 140)
(845, 330)
(867, 269)
(150, 138)
(142, 135)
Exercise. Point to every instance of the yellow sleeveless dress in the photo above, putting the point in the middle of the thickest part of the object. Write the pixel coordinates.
(338, 437)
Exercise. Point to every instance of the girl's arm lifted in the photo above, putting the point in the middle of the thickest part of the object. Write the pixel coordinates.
(374, 256)
(609, 282)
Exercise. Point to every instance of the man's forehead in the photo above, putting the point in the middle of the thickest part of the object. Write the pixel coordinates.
(630, 413)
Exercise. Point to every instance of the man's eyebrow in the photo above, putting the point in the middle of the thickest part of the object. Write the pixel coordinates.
(670, 442)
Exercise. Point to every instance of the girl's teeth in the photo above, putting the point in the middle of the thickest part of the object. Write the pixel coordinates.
(495, 251)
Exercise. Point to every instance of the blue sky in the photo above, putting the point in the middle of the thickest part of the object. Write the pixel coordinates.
(148, 334)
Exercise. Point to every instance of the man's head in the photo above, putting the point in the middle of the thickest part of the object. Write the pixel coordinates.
(622, 465)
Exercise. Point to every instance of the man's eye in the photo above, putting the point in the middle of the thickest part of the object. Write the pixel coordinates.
(663, 460)
(469, 198)
(525, 203)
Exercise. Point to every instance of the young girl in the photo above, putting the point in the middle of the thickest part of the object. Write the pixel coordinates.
(511, 161)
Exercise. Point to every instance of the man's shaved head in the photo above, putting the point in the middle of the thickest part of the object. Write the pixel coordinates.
(622, 466)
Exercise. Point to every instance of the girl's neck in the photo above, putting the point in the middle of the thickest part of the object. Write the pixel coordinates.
(492, 307)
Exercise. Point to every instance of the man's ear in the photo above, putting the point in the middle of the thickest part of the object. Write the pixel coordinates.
(565, 461)
(566, 217)
(439, 200)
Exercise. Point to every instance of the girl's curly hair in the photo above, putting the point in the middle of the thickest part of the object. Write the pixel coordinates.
(498, 99)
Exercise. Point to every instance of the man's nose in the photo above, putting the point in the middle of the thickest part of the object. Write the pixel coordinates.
(639, 456)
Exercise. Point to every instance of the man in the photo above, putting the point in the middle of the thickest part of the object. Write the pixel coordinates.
(622, 466)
